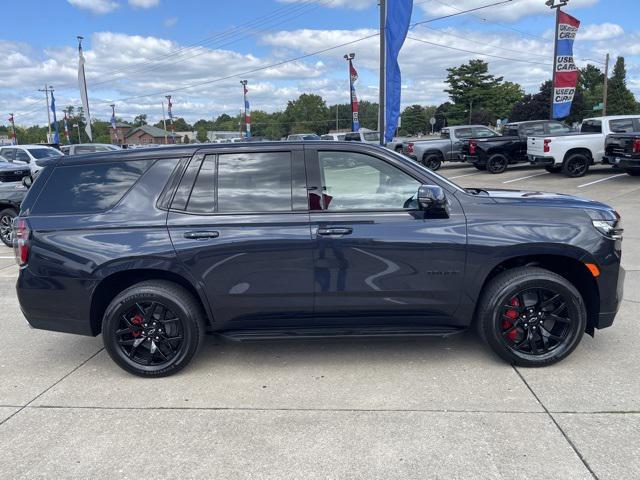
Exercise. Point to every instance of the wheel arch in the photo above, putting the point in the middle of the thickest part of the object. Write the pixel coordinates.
(111, 285)
(433, 152)
(579, 150)
(572, 269)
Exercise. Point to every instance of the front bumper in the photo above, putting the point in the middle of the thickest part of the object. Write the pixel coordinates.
(622, 162)
(538, 160)
(611, 294)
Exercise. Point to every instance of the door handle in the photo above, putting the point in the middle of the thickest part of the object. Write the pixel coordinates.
(335, 231)
(201, 235)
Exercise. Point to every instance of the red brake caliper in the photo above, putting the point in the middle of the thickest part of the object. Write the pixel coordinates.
(137, 320)
(511, 316)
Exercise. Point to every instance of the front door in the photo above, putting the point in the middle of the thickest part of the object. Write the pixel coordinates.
(239, 222)
(377, 258)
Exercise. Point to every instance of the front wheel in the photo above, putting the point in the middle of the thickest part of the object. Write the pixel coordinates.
(497, 163)
(531, 316)
(576, 165)
(6, 226)
(432, 161)
(153, 329)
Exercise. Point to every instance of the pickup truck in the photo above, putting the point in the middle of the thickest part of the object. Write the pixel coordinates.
(495, 154)
(622, 150)
(11, 196)
(574, 154)
(431, 153)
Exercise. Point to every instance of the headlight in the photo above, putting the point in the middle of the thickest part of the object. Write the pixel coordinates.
(607, 223)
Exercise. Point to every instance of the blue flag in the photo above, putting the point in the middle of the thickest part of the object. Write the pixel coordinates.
(397, 26)
(56, 135)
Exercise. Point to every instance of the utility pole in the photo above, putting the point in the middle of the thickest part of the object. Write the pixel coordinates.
(78, 125)
(170, 111)
(244, 104)
(164, 122)
(383, 76)
(349, 58)
(46, 91)
(470, 110)
(552, 4)
(606, 86)
(113, 122)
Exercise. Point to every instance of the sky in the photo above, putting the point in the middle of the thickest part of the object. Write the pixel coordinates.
(138, 51)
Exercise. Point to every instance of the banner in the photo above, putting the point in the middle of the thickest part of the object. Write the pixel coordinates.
(355, 120)
(14, 139)
(56, 135)
(247, 110)
(565, 77)
(396, 28)
(82, 82)
(66, 127)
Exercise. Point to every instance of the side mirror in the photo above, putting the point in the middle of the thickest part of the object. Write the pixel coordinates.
(27, 181)
(432, 197)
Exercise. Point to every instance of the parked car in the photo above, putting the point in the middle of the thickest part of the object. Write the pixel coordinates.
(336, 137)
(30, 155)
(364, 136)
(156, 247)
(431, 153)
(494, 154)
(303, 137)
(80, 148)
(11, 196)
(574, 154)
(622, 150)
(13, 172)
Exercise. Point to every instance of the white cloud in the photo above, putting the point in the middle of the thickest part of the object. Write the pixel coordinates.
(144, 3)
(95, 6)
(352, 4)
(170, 22)
(603, 31)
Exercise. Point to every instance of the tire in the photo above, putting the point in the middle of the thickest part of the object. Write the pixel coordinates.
(497, 163)
(131, 326)
(432, 161)
(553, 168)
(6, 226)
(634, 172)
(576, 165)
(503, 323)
(482, 168)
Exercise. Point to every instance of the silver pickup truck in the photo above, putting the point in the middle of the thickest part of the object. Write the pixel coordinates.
(447, 148)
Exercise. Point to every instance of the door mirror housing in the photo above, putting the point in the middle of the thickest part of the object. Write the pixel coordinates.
(27, 181)
(432, 197)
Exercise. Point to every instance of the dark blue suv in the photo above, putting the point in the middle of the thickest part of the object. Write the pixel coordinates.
(153, 248)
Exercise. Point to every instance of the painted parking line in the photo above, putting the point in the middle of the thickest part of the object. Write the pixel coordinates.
(467, 175)
(11, 257)
(525, 178)
(602, 180)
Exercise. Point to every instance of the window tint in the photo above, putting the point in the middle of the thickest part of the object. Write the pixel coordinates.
(372, 136)
(463, 133)
(326, 137)
(352, 137)
(186, 184)
(22, 156)
(254, 182)
(558, 128)
(40, 153)
(85, 149)
(511, 131)
(483, 133)
(8, 153)
(88, 188)
(444, 133)
(622, 126)
(591, 126)
(533, 129)
(353, 181)
(203, 196)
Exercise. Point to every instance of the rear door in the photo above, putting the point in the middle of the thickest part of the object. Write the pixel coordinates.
(239, 221)
(462, 138)
(378, 259)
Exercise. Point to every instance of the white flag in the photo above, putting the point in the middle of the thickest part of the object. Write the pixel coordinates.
(82, 82)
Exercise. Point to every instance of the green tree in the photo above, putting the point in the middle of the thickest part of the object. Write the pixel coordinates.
(202, 134)
(472, 84)
(533, 107)
(501, 99)
(620, 100)
(140, 120)
(308, 113)
(414, 120)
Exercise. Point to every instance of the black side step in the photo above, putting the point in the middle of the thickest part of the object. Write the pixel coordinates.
(334, 332)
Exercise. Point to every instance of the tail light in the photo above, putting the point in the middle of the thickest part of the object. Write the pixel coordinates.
(636, 145)
(21, 237)
(472, 148)
(547, 141)
(410, 148)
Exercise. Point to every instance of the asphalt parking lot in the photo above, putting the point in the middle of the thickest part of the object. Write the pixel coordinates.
(422, 408)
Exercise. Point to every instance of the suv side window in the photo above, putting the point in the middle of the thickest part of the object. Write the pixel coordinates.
(22, 156)
(8, 153)
(355, 181)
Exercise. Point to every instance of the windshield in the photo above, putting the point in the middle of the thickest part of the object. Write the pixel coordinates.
(371, 136)
(40, 153)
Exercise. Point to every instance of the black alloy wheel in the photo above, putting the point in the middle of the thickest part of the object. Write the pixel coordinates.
(576, 165)
(432, 161)
(153, 329)
(6, 226)
(497, 163)
(531, 316)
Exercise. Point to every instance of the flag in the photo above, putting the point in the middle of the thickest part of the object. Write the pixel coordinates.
(14, 140)
(352, 72)
(247, 119)
(56, 135)
(113, 120)
(82, 82)
(66, 127)
(565, 77)
(169, 106)
(396, 28)
(355, 120)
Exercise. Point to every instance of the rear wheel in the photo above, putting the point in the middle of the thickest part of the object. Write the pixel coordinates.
(634, 172)
(576, 165)
(6, 225)
(432, 161)
(531, 317)
(553, 168)
(497, 163)
(153, 329)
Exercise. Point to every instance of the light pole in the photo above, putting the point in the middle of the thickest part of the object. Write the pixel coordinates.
(244, 103)
(349, 58)
(46, 91)
(557, 4)
(113, 122)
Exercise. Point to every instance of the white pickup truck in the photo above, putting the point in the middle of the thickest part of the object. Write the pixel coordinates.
(573, 154)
